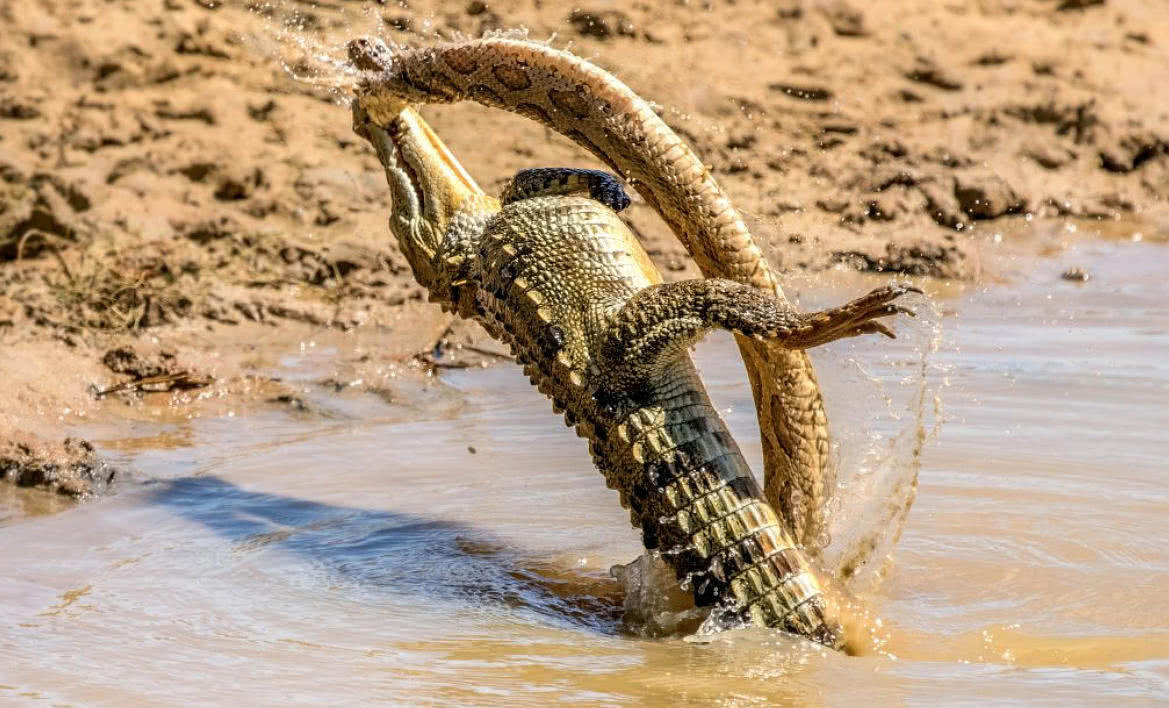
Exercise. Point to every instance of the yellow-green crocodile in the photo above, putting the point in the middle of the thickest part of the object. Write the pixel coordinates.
(552, 271)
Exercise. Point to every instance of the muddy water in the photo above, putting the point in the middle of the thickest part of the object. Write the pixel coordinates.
(371, 555)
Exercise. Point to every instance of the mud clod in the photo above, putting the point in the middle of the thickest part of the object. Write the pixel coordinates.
(70, 468)
(986, 196)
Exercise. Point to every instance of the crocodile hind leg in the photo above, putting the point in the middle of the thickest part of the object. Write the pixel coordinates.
(662, 321)
(546, 181)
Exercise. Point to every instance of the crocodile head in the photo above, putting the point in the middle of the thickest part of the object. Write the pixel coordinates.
(437, 206)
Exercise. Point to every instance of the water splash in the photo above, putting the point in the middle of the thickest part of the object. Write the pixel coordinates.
(892, 411)
(308, 40)
(655, 603)
(877, 480)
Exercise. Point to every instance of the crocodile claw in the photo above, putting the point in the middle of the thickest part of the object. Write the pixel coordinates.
(853, 318)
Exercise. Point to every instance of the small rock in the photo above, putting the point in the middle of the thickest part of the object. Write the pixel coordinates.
(15, 110)
(926, 72)
(1126, 153)
(914, 258)
(239, 185)
(204, 232)
(126, 361)
(940, 204)
(832, 205)
(71, 468)
(1047, 156)
(986, 196)
(884, 207)
(261, 112)
(1076, 274)
(602, 24)
(1066, 5)
(802, 92)
(789, 9)
(845, 20)
(741, 141)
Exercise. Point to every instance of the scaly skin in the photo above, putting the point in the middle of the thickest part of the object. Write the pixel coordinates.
(600, 113)
(563, 282)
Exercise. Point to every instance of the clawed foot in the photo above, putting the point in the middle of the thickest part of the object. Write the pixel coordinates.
(852, 319)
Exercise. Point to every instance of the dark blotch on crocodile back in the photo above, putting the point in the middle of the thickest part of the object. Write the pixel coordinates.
(655, 471)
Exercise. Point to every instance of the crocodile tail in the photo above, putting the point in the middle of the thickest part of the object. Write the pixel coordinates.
(601, 114)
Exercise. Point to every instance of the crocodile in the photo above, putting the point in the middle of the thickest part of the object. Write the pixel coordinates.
(551, 270)
(600, 113)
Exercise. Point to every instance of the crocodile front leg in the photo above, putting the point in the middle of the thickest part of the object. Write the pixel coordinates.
(660, 322)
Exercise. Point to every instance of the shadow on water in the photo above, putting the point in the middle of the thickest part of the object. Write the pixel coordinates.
(448, 562)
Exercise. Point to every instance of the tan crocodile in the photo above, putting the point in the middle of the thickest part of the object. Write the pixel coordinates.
(603, 115)
(553, 272)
